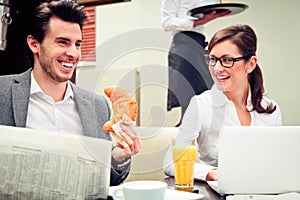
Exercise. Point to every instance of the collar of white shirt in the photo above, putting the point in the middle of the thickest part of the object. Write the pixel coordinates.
(220, 99)
(35, 89)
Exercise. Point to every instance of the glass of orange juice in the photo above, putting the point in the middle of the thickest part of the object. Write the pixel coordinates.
(184, 158)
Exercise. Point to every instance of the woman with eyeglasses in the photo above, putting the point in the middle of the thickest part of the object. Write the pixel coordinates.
(236, 99)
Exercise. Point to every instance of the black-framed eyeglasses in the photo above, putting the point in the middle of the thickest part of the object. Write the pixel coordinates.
(225, 62)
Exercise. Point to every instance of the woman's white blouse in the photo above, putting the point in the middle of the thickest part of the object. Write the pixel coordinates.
(205, 116)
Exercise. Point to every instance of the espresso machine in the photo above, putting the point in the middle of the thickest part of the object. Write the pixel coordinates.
(5, 21)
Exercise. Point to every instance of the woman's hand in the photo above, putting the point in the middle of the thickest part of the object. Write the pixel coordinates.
(209, 17)
(212, 175)
(130, 145)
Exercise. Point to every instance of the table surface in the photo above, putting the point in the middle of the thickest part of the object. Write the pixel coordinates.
(202, 186)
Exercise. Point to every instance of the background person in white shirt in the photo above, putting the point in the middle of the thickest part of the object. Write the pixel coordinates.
(236, 99)
(44, 98)
(188, 73)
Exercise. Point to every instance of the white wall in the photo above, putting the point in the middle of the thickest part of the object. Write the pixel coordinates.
(129, 36)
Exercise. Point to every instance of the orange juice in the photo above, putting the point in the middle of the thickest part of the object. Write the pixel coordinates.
(184, 158)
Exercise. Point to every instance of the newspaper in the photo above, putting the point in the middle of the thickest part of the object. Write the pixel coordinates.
(45, 165)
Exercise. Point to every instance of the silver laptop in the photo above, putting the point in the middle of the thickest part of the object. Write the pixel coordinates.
(259, 160)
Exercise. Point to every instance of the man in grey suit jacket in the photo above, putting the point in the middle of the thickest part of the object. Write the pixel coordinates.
(43, 97)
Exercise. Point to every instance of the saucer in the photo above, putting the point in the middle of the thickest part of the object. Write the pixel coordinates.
(170, 194)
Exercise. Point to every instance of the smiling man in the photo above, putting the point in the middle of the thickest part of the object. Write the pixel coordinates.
(44, 98)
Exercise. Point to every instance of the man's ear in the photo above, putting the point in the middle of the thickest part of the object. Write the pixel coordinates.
(33, 44)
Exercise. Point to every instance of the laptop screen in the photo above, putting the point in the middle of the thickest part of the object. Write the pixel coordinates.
(259, 160)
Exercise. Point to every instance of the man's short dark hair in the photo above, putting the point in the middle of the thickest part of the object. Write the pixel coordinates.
(66, 10)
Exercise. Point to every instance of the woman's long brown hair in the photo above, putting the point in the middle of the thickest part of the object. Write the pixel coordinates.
(244, 37)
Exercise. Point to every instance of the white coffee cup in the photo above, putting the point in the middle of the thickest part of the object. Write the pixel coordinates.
(141, 190)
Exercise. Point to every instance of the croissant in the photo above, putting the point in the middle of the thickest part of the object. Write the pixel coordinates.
(122, 104)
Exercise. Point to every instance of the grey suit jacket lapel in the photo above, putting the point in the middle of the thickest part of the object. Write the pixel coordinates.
(20, 101)
(20, 98)
(86, 113)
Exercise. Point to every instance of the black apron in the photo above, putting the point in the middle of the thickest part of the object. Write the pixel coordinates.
(188, 71)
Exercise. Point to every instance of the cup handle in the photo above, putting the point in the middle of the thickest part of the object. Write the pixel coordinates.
(118, 194)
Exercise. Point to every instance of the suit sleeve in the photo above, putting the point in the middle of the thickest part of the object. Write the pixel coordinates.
(119, 171)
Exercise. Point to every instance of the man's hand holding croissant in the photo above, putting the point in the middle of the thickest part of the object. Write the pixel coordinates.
(121, 125)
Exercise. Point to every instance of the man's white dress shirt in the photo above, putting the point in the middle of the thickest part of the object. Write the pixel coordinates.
(45, 114)
(175, 15)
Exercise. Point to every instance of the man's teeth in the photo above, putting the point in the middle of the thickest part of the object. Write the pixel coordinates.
(65, 64)
(221, 77)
